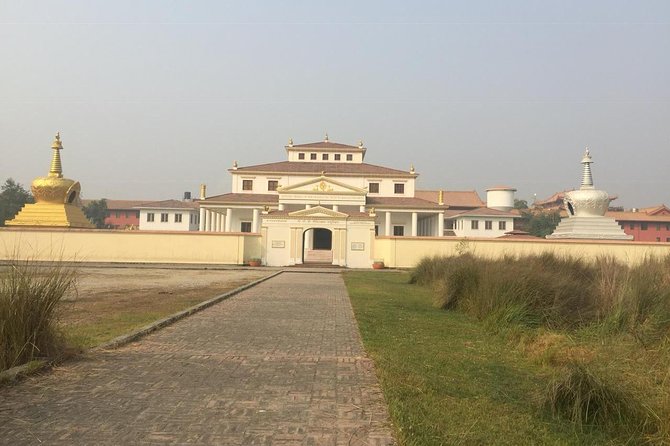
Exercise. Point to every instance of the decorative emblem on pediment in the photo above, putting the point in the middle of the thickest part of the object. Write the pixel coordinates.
(322, 187)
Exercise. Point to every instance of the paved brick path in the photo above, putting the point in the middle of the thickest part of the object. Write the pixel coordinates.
(281, 363)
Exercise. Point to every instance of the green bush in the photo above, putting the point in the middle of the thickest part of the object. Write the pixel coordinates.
(29, 302)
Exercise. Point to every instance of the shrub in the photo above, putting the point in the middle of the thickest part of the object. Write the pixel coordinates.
(29, 303)
(588, 400)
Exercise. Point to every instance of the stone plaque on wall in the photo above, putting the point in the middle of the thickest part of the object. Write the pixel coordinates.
(278, 243)
(358, 246)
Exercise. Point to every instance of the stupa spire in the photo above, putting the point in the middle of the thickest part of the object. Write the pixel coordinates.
(587, 177)
(56, 166)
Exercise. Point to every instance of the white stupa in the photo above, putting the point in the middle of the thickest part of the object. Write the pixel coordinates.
(586, 212)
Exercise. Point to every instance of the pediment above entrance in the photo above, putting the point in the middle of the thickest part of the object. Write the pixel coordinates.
(318, 211)
(321, 185)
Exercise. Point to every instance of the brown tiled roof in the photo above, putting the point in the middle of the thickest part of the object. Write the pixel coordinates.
(638, 216)
(243, 198)
(327, 145)
(404, 202)
(487, 212)
(330, 169)
(119, 205)
(286, 213)
(453, 198)
(169, 204)
(656, 210)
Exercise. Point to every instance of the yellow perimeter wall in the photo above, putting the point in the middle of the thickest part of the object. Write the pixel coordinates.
(405, 252)
(237, 248)
(128, 246)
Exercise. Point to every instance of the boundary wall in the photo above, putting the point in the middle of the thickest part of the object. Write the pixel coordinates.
(85, 245)
(405, 252)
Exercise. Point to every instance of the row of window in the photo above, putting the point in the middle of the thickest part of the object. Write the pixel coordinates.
(488, 225)
(373, 188)
(126, 214)
(194, 218)
(645, 226)
(325, 156)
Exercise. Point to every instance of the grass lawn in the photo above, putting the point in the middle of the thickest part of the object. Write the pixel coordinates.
(446, 380)
(112, 302)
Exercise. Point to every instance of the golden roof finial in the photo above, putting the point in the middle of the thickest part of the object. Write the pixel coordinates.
(326, 140)
(56, 169)
(440, 197)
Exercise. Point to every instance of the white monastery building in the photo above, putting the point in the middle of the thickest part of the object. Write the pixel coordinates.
(326, 204)
(169, 215)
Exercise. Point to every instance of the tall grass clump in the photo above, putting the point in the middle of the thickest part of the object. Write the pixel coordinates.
(589, 401)
(29, 302)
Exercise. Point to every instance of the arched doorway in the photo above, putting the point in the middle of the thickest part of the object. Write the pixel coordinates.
(317, 245)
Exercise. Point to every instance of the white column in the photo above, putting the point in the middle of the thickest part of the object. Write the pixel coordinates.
(254, 221)
(335, 208)
(387, 227)
(308, 239)
(219, 222)
(440, 224)
(280, 206)
(209, 221)
(201, 225)
(414, 220)
(229, 219)
(361, 208)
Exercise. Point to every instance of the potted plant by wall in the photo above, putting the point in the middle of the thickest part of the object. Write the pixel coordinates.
(378, 264)
(255, 262)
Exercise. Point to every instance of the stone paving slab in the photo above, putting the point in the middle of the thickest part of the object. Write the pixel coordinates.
(281, 363)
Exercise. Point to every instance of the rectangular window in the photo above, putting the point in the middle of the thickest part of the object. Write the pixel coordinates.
(125, 214)
(164, 217)
(643, 226)
(337, 157)
(190, 219)
(312, 156)
(324, 156)
(350, 157)
(502, 225)
(247, 184)
(667, 227)
(117, 214)
(137, 215)
(449, 224)
(474, 224)
(632, 225)
(488, 225)
(399, 231)
(150, 216)
(245, 226)
(376, 230)
(399, 188)
(177, 218)
(301, 156)
(658, 228)
(272, 184)
(373, 188)
(667, 239)
(658, 239)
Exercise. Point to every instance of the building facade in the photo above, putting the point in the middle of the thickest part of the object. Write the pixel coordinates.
(169, 215)
(326, 204)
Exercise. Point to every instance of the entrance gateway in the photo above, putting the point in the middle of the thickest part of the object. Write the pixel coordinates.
(317, 246)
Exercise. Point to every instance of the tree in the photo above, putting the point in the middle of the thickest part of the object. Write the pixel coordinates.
(520, 204)
(96, 211)
(12, 198)
(543, 223)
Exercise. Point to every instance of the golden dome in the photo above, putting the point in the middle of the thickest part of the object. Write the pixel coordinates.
(54, 188)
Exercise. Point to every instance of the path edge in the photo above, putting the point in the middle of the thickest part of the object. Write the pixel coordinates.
(38, 365)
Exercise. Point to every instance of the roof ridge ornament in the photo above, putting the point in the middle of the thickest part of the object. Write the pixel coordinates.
(411, 168)
(290, 142)
(360, 143)
(326, 139)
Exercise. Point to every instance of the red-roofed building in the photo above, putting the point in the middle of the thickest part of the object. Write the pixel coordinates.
(650, 224)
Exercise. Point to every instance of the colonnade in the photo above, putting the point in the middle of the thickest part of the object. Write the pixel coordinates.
(221, 220)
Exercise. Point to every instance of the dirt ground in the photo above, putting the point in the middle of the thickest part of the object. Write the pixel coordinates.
(108, 302)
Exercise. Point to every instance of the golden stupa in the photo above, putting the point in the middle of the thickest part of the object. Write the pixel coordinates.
(57, 201)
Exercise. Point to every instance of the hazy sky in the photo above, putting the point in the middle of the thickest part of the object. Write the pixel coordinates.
(153, 98)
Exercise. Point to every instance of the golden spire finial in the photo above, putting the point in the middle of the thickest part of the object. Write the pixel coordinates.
(56, 169)
(326, 140)
(440, 197)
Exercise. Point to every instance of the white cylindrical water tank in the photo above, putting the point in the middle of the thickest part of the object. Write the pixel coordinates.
(500, 198)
